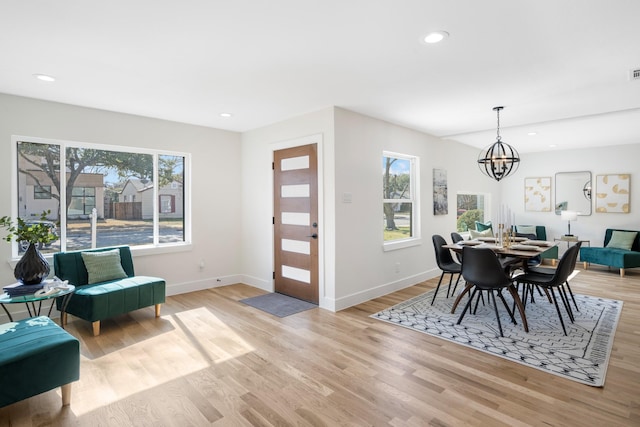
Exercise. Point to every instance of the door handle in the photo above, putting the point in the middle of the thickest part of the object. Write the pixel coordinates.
(314, 236)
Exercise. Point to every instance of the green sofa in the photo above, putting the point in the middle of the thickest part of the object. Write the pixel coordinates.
(612, 257)
(102, 300)
(36, 355)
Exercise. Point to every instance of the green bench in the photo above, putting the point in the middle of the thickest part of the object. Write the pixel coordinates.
(36, 355)
(611, 254)
(110, 290)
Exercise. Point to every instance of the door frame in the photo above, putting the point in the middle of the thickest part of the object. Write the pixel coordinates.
(305, 140)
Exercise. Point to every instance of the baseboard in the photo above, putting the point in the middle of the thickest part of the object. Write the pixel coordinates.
(385, 289)
(265, 285)
(200, 285)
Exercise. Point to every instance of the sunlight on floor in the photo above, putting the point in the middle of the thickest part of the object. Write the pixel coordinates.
(157, 360)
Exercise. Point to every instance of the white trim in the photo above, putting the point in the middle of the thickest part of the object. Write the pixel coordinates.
(157, 247)
(384, 289)
(414, 191)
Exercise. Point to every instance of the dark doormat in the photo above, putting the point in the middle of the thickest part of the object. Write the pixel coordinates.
(278, 304)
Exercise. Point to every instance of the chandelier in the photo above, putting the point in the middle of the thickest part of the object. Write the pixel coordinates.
(498, 160)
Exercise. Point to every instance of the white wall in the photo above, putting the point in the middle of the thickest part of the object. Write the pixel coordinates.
(363, 269)
(215, 182)
(235, 241)
(599, 161)
(257, 197)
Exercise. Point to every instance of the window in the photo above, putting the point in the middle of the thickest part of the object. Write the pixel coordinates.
(118, 185)
(41, 191)
(83, 200)
(470, 208)
(399, 192)
(166, 203)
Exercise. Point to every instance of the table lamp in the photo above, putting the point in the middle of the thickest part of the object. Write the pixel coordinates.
(569, 216)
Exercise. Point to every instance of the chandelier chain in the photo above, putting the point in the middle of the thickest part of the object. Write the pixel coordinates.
(498, 137)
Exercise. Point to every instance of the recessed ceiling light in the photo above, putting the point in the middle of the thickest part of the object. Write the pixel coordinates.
(44, 78)
(552, 145)
(532, 133)
(226, 115)
(435, 37)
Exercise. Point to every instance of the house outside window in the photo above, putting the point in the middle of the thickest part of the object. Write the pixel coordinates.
(79, 178)
(399, 198)
(471, 207)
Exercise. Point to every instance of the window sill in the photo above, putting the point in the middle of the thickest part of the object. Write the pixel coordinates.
(136, 251)
(401, 244)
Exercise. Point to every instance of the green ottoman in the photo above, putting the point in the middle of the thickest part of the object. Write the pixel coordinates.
(36, 355)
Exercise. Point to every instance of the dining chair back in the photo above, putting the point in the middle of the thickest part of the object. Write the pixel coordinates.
(455, 238)
(446, 264)
(551, 271)
(482, 269)
(558, 279)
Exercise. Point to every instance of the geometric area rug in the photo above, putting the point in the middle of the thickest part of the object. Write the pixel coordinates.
(582, 355)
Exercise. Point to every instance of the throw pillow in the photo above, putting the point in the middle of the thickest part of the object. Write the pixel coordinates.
(480, 226)
(473, 234)
(103, 266)
(622, 239)
(526, 229)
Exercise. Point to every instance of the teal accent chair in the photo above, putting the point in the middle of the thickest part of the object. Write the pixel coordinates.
(36, 356)
(612, 257)
(99, 301)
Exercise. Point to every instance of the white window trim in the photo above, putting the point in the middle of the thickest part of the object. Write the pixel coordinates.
(416, 239)
(156, 247)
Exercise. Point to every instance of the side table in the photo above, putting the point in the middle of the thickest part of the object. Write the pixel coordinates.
(34, 302)
(571, 239)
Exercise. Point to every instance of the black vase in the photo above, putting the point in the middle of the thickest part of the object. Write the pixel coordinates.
(32, 268)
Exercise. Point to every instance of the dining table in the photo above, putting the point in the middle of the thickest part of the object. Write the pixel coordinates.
(518, 252)
(520, 248)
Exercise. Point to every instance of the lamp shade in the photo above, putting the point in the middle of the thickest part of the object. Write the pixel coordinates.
(569, 215)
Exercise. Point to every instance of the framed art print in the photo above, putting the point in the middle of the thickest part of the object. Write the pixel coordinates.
(537, 194)
(440, 198)
(612, 193)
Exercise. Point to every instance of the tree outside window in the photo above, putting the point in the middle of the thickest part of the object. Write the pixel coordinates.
(470, 208)
(399, 205)
(118, 185)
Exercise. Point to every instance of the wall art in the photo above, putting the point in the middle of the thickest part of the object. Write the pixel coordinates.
(612, 193)
(537, 194)
(440, 199)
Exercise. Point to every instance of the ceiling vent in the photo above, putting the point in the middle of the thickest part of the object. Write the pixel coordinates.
(634, 74)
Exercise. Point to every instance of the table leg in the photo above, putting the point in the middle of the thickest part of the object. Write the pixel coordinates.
(7, 311)
(63, 308)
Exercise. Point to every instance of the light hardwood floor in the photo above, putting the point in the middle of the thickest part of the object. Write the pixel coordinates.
(210, 360)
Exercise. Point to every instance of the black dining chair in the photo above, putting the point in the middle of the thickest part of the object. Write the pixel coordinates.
(482, 271)
(445, 263)
(455, 238)
(550, 282)
(551, 271)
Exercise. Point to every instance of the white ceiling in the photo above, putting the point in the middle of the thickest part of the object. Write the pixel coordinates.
(560, 68)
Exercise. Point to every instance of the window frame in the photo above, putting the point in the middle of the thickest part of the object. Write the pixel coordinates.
(414, 191)
(486, 197)
(156, 246)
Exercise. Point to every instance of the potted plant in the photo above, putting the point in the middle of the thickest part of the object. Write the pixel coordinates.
(32, 268)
